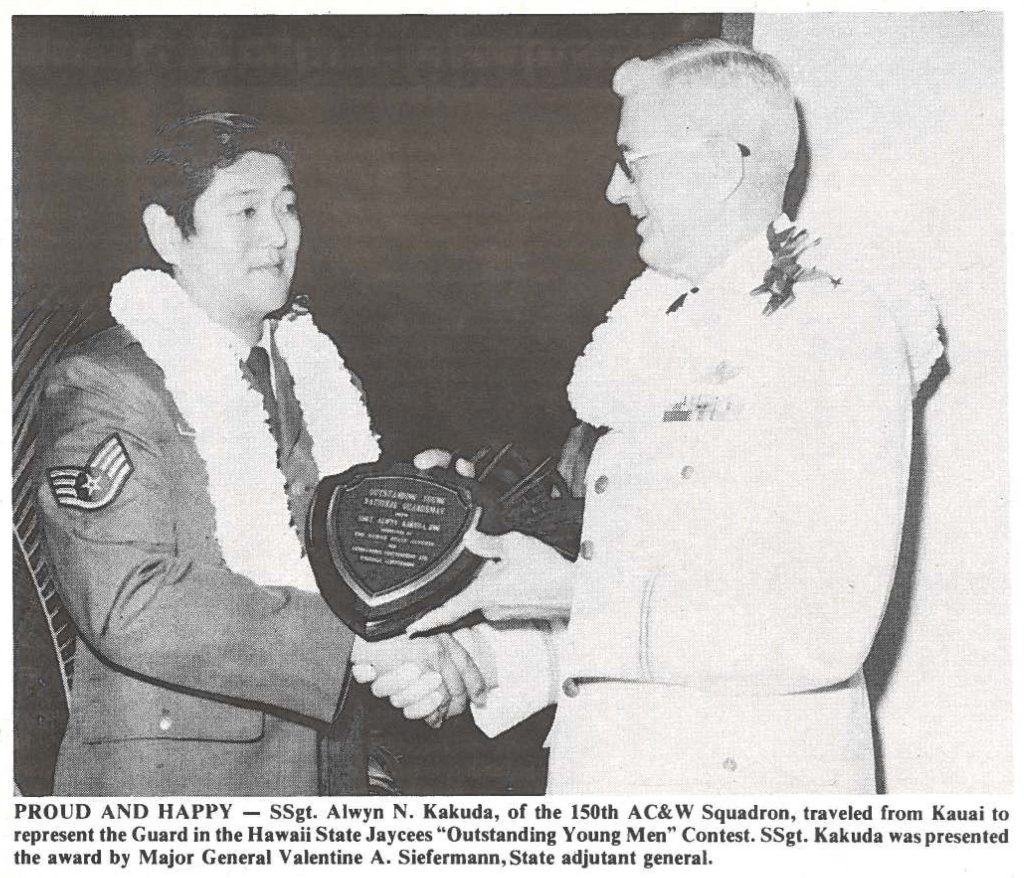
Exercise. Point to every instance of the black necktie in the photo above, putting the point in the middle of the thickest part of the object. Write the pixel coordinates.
(259, 371)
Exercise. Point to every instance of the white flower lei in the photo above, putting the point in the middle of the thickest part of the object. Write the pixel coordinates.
(639, 351)
(201, 368)
(635, 353)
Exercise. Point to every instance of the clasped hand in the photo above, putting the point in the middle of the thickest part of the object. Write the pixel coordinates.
(431, 678)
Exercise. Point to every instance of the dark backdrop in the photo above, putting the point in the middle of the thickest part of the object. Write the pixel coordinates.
(456, 241)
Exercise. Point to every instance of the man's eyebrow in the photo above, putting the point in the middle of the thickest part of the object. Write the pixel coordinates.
(241, 193)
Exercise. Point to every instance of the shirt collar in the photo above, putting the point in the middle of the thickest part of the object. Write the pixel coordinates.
(240, 349)
(740, 273)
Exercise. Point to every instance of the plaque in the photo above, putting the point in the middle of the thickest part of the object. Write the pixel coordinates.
(528, 497)
(385, 543)
(385, 540)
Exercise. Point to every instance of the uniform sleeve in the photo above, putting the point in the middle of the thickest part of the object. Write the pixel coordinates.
(522, 660)
(141, 604)
(785, 589)
(575, 456)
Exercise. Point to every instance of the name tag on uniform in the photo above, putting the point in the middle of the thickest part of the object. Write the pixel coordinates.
(703, 407)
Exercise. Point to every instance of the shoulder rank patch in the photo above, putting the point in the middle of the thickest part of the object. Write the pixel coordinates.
(98, 482)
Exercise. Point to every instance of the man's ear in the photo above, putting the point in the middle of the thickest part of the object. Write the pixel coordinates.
(164, 234)
(733, 169)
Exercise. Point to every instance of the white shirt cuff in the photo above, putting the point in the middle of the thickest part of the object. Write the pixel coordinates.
(525, 665)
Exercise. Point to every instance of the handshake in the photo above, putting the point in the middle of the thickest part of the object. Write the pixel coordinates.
(434, 676)
(430, 678)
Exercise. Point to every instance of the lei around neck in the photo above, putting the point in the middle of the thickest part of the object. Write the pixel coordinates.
(639, 348)
(202, 372)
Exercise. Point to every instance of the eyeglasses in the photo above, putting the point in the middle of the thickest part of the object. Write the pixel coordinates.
(627, 158)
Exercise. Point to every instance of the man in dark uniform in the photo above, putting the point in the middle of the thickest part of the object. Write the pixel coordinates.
(178, 451)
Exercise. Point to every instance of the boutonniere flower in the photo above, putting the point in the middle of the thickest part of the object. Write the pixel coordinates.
(787, 247)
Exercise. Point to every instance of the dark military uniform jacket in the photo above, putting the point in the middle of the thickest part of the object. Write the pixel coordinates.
(189, 679)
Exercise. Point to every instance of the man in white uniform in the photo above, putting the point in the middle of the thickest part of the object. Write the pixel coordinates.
(745, 497)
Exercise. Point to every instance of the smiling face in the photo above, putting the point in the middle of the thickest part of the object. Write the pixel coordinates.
(238, 264)
(677, 176)
(708, 136)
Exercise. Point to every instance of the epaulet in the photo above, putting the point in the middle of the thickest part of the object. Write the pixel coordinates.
(105, 343)
(117, 353)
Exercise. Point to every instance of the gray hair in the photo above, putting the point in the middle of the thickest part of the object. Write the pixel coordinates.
(699, 58)
(755, 80)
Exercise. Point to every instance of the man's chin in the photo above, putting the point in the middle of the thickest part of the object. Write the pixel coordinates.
(653, 257)
(269, 298)
(664, 263)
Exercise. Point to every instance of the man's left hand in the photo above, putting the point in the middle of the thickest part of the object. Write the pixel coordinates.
(524, 579)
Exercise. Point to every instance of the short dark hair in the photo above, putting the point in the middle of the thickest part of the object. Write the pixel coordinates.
(191, 150)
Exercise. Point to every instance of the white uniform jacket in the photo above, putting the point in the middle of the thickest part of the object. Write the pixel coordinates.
(743, 520)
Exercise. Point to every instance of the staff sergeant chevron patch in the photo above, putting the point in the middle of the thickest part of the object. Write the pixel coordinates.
(98, 482)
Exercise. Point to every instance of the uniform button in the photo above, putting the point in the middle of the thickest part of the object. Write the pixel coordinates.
(686, 471)
(729, 764)
(586, 550)
(601, 485)
(570, 688)
(165, 723)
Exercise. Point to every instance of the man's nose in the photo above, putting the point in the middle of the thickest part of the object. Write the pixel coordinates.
(273, 231)
(619, 187)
